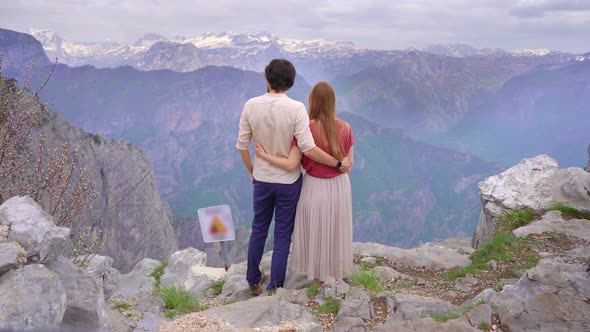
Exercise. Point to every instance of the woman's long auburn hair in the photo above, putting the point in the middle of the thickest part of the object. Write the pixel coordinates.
(322, 109)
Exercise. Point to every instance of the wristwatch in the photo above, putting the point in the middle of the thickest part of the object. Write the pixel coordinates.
(339, 164)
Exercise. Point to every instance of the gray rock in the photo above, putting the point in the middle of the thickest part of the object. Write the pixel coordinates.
(34, 229)
(350, 324)
(465, 284)
(411, 306)
(428, 325)
(480, 314)
(296, 280)
(295, 296)
(262, 311)
(580, 253)
(369, 260)
(138, 281)
(4, 232)
(11, 255)
(102, 267)
(588, 167)
(85, 306)
(430, 255)
(150, 322)
(32, 297)
(483, 297)
(385, 273)
(119, 323)
(461, 245)
(187, 269)
(356, 304)
(553, 222)
(536, 183)
(552, 296)
(335, 289)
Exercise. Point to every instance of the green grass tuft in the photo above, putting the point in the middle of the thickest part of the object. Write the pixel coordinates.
(159, 272)
(514, 219)
(178, 299)
(217, 286)
(313, 289)
(441, 318)
(570, 211)
(366, 279)
(484, 326)
(367, 265)
(502, 248)
(330, 306)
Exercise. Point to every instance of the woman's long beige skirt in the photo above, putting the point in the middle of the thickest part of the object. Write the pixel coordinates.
(322, 238)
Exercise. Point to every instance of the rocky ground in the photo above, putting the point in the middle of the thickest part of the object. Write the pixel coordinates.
(532, 276)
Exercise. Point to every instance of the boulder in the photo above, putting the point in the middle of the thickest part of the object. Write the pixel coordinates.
(150, 322)
(428, 325)
(187, 269)
(138, 281)
(117, 322)
(139, 285)
(480, 314)
(12, 255)
(295, 296)
(536, 183)
(34, 229)
(552, 296)
(430, 255)
(85, 306)
(356, 304)
(350, 324)
(32, 297)
(386, 274)
(102, 267)
(263, 311)
(553, 222)
(410, 306)
(465, 284)
(335, 289)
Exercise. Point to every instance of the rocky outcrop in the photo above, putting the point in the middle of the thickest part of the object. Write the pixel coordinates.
(553, 296)
(535, 183)
(85, 299)
(34, 229)
(430, 255)
(31, 297)
(263, 312)
(134, 221)
(187, 268)
(19, 51)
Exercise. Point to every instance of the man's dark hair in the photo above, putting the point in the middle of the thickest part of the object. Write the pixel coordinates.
(280, 74)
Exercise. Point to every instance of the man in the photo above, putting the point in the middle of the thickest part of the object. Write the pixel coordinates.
(273, 120)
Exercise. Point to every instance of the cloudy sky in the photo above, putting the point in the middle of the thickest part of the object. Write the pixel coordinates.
(379, 24)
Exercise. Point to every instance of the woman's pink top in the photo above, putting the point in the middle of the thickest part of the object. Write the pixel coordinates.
(346, 142)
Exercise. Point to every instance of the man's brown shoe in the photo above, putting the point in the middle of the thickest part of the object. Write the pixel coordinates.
(257, 289)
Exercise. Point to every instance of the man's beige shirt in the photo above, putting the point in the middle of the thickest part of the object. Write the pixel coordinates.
(273, 120)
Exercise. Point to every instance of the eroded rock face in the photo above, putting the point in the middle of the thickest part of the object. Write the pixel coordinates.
(553, 296)
(134, 221)
(536, 183)
(85, 306)
(34, 229)
(33, 297)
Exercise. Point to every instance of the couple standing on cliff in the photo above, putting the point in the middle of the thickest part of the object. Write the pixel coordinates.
(316, 207)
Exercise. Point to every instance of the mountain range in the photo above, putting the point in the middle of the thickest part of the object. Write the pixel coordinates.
(412, 111)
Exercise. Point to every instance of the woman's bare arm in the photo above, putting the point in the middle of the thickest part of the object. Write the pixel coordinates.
(288, 164)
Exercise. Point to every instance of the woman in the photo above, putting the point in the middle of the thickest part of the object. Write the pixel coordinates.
(322, 240)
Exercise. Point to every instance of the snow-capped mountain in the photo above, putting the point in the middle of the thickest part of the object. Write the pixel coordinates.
(461, 50)
(315, 59)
